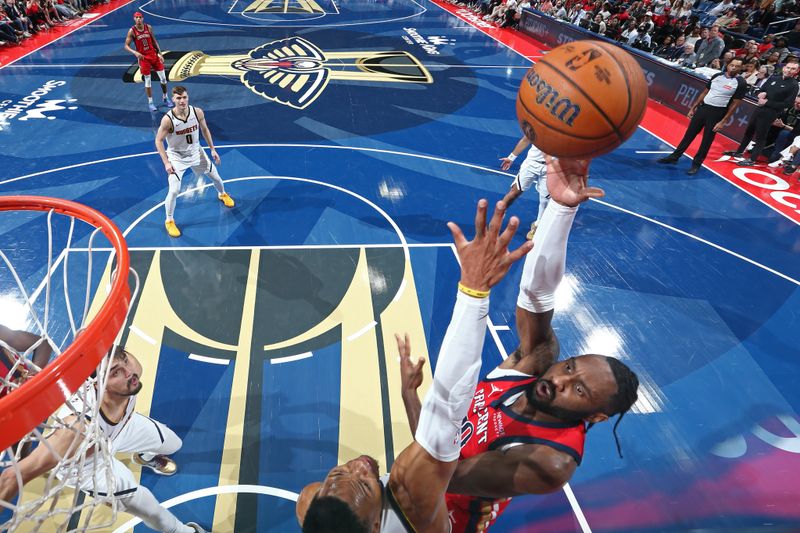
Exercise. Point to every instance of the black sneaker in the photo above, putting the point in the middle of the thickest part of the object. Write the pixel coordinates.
(732, 153)
(789, 168)
(693, 170)
(746, 163)
(667, 160)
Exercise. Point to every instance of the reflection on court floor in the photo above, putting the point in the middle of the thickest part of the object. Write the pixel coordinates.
(266, 331)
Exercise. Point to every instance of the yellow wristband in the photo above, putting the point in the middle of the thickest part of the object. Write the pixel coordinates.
(472, 292)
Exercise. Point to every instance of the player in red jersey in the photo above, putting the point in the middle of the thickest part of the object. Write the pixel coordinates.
(524, 432)
(149, 55)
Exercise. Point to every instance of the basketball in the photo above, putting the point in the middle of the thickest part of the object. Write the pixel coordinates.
(583, 99)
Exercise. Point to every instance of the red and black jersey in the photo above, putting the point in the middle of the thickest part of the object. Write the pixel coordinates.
(492, 425)
(9, 361)
(145, 44)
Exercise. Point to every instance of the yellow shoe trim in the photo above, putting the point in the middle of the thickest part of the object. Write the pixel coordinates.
(172, 229)
(226, 199)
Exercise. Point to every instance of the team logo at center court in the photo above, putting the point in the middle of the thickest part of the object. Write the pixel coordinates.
(293, 71)
(284, 6)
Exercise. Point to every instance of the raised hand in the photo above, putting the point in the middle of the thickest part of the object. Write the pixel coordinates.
(485, 260)
(410, 373)
(567, 181)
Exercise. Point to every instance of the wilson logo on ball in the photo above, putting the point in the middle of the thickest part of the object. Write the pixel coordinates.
(562, 108)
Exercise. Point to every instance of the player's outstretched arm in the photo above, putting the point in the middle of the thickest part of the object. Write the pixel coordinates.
(422, 472)
(567, 182)
(507, 161)
(61, 443)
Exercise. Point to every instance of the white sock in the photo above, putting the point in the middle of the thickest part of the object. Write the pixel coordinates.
(145, 506)
(172, 196)
(544, 265)
(213, 175)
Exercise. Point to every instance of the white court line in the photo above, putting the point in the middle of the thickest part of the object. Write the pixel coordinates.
(142, 335)
(274, 247)
(68, 33)
(230, 9)
(370, 203)
(573, 501)
(496, 337)
(290, 358)
(502, 328)
(362, 331)
(333, 25)
(419, 156)
(212, 360)
(400, 291)
(653, 151)
(35, 294)
(68, 65)
(731, 181)
(699, 239)
(214, 491)
(430, 66)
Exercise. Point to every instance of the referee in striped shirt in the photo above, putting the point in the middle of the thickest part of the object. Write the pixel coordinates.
(711, 111)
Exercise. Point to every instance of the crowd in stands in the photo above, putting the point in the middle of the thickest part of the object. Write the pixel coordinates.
(20, 19)
(698, 35)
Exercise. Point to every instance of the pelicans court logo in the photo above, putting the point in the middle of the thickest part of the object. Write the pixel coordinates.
(283, 6)
(293, 72)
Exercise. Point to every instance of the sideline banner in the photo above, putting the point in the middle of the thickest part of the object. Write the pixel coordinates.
(674, 87)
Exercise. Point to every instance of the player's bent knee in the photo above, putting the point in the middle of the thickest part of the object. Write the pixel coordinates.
(162, 77)
(147, 81)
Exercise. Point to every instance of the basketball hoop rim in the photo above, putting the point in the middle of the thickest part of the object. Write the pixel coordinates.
(39, 397)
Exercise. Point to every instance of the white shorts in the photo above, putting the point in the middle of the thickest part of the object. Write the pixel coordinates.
(199, 166)
(141, 434)
(530, 173)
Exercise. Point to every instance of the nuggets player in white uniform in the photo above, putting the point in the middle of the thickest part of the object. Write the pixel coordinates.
(125, 431)
(532, 171)
(181, 128)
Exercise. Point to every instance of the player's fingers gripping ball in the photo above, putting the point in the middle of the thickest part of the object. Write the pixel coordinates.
(582, 99)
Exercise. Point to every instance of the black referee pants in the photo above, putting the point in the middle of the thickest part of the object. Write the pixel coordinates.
(759, 125)
(704, 119)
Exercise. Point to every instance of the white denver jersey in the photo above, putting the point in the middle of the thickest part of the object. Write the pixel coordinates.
(83, 404)
(183, 144)
(533, 162)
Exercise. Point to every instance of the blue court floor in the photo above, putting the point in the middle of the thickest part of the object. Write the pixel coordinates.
(272, 323)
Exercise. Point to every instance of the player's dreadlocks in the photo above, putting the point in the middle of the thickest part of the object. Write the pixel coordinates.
(626, 396)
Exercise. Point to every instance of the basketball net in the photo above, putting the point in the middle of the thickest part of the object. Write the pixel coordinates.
(51, 501)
